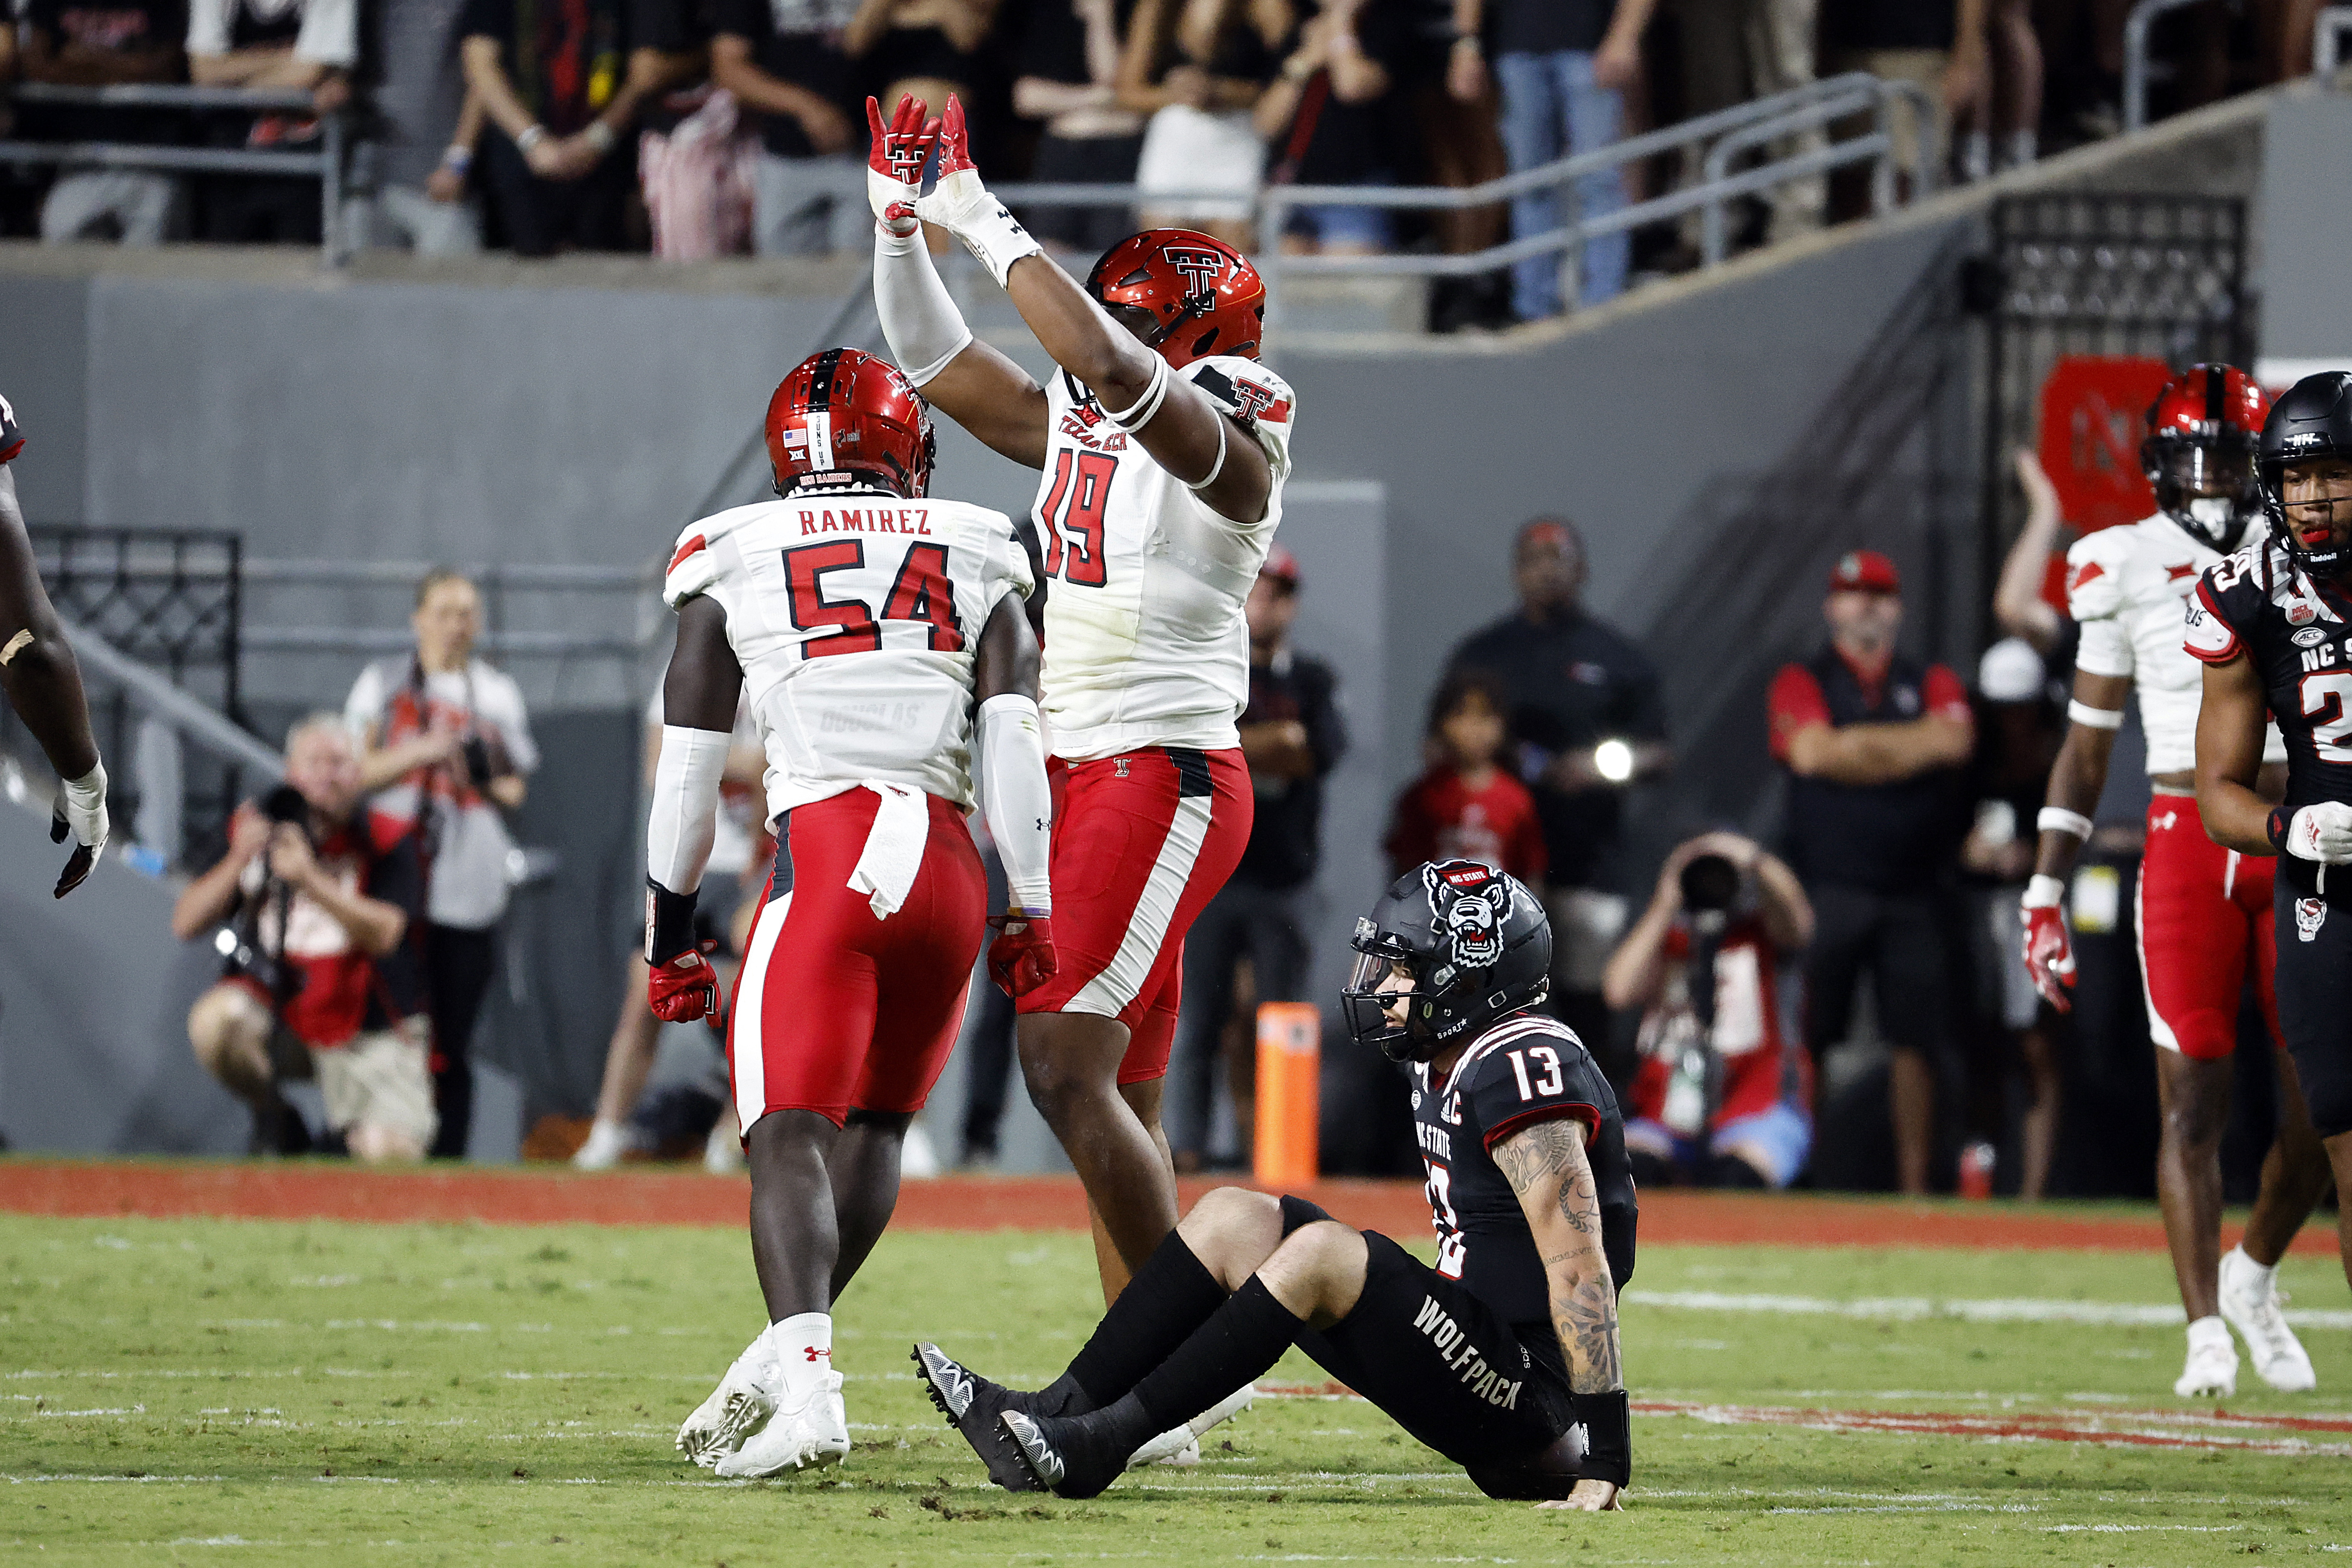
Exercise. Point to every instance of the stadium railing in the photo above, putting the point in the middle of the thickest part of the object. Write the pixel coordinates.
(324, 163)
(500, 585)
(1740, 128)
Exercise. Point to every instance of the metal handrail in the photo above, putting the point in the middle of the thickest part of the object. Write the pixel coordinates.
(1808, 117)
(326, 164)
(2327, 38)
(2137, 27)
(161, 700)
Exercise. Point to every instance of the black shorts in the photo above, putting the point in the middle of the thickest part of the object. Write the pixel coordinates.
(2314, 987)
(1439, 1362)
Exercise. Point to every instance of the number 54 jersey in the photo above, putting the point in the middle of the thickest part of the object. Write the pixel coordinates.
(856, 617)
(1145, 642)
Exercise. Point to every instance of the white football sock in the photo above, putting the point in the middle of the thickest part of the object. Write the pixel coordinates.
(2260, 1275)
(802, 1348)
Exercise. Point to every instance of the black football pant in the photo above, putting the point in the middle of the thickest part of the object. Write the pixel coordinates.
(2314, 987)
(458, 964)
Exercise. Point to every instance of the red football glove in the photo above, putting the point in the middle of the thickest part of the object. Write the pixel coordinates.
(955, 141)
(2049, 953)
(1021, 957)
(686, 987)
(894, 163)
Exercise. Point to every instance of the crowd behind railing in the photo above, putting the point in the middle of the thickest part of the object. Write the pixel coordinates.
(700, 128)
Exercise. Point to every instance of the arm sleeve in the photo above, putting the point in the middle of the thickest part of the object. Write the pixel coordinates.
(1795, 703)
(1014, 793)
(924, 328)
(684, 806)
(330, 35)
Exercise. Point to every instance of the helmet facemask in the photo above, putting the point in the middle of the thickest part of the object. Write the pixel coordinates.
(2290, 519)
(1366, 1001)
(2206, 486)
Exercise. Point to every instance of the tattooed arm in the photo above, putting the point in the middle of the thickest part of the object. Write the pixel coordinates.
(1546, 1166)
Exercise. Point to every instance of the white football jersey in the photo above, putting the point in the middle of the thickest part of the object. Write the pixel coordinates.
(856, 617)
(1144, 643)
(2128, 586)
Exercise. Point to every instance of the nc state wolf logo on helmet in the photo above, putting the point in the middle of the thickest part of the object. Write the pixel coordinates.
(1469, 901)
(1198, 265)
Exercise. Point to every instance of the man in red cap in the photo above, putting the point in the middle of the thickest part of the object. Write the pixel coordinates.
(1875, 742)
(1292, 734)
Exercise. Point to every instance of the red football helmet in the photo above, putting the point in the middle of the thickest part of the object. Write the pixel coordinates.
(846, 417)
(1204, 297)
(2202, 430)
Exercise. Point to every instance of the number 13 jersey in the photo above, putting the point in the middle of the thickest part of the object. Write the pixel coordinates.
(1145, 641)
(856, 616)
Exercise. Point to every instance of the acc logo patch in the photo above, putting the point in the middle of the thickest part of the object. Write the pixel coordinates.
(2310, 637)
(2310, 914)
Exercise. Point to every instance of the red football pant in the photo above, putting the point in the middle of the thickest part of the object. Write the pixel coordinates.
(2203, 910)
(1141, 843)
(837, 1011)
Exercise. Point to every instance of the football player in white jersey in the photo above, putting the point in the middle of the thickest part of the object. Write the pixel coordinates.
(2203, 911)
(880, 636)
(38, 673)
(1163, 445)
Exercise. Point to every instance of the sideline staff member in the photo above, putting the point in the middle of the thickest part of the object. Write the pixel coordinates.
(2273, 625)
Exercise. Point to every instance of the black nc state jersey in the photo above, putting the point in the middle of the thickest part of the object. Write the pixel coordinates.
(12, 439)
(1525, 1070)
(2299, 637)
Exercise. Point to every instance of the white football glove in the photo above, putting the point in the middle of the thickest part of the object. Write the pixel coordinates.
(2321, 832)
(962, 205)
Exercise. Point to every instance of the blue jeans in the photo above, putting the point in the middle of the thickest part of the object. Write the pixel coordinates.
(1543, 97)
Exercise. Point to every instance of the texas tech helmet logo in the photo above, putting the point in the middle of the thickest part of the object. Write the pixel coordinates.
(1201, 267)
(1469, 903)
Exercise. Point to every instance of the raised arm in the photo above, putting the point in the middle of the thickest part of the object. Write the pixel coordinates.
(2017, 601)
(1545, 1163)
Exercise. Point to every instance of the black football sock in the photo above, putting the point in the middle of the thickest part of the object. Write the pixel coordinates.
(1170, 1297)
(1239, 1344)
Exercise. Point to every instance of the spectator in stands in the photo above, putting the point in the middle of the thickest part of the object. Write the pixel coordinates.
(1939, 44)
(786, 61)
(1292, 737)
(740, 850)
(1718, 1099)
(1200, 68)
(1586, 721)
(922, 48)
(698, 166)
(103, 45)
(2020, 725)
(1563, 69)
(556, 159)
(322, 980)
(1070, 80)
(1467, 806)
(424, 128)
(1873, 742)
(1335, 131)
(2011, 101)
(1735, 50)
(310, 44)
(445, 745)
(1459, 145)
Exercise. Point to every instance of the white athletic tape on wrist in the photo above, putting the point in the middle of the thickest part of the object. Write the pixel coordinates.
(2043, 893)
(685, 811)
(2058, 819)
(962, 205)
(16, 644)
(85, 806)
(2092, 717)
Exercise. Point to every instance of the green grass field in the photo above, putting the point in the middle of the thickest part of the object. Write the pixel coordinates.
(245, 1391)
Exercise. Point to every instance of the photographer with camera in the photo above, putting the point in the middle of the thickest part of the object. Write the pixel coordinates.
(1719, 1098)
(446, 749)
(320, 979)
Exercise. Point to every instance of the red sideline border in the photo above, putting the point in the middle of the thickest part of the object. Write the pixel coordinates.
(303, 1190)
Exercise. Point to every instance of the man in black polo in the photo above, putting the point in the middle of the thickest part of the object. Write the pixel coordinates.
(1586, 720)
(1875, 742)
(1292, 736)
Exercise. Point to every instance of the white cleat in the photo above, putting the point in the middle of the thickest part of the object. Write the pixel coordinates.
(607, 1142)
(806, 1436)
(2212, 1369)
(744, 1399)
(2252, 1303)
(1180, 1446)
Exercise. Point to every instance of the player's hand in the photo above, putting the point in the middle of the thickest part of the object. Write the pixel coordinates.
(1021, 958)
(962, 205)
(1590, 1497)
(684, 988)
(894, 164)
(80, 811)
(2049, 951)
(2322, 832)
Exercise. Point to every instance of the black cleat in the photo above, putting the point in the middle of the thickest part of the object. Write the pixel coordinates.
(972, 1404)
(1071, 1457)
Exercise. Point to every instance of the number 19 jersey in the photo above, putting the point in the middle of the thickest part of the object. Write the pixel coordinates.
(856, 617)
(1145, 641)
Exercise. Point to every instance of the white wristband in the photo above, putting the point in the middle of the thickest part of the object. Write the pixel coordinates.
(532, 135)
(959, 203)
(1206, 480)
(600, 136)
(2043, 893)
(2058, 819)
(2092, 717)
(1139, 414)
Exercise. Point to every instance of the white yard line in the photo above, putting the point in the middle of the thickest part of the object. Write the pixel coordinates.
(1985, 1310)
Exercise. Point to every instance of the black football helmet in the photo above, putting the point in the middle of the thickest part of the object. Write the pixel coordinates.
(2312, 419)
(1475, 942)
